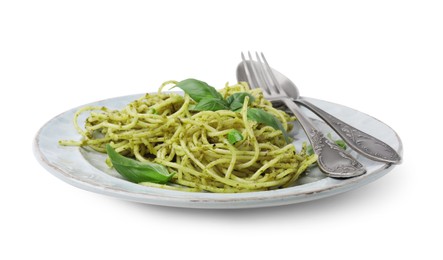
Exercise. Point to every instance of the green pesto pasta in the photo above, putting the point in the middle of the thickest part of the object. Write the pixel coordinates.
(162, 128)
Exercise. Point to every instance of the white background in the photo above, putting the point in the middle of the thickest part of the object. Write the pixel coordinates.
(383, 58)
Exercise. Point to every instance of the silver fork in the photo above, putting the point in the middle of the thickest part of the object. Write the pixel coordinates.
(332, 160)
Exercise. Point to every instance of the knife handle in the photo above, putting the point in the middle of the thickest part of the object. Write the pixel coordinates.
(360, 141)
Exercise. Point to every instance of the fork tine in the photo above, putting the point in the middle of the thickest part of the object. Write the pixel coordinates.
(249, 72)
(255, 74)
(268, 75)
(266, 82)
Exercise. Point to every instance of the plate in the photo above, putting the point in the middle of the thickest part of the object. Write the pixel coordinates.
(86, 169)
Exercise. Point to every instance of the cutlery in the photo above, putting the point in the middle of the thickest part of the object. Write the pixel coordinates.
(358, 140)
(332, 160)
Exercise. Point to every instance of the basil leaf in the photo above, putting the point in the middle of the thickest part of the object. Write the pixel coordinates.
(198, 90)
(136, 171)
(211, 104)
(261, 116)
(234, 136)
(236, 100)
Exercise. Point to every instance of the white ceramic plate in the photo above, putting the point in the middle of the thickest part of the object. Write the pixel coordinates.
(86, 169)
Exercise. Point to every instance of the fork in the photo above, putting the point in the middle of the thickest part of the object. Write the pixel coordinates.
(332, 160)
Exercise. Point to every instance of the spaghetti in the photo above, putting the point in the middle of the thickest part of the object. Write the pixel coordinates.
(162, 128)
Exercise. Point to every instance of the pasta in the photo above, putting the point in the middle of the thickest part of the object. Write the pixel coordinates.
(162, 128)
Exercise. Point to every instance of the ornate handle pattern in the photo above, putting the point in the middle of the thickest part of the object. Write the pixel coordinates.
(360, 141)
(332, 160)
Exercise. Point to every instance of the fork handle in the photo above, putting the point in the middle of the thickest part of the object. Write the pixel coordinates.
(332, 160)
(360, 141)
